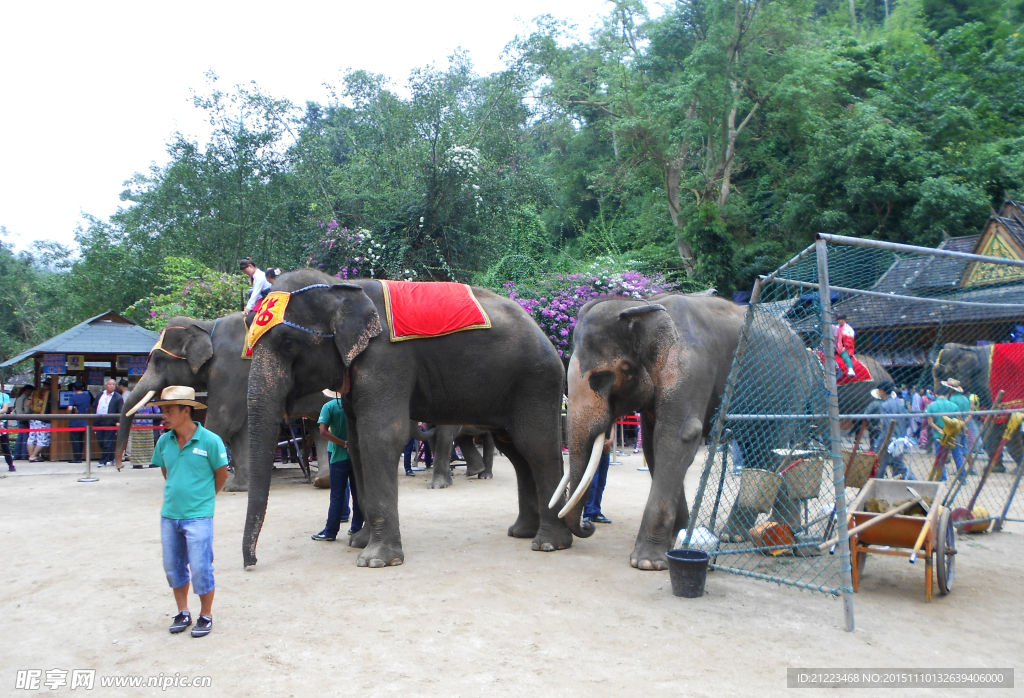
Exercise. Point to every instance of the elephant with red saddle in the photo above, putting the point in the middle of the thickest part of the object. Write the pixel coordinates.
(507, 379)
(984, 371)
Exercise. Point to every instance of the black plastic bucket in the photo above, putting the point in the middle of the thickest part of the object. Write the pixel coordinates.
(688, 570)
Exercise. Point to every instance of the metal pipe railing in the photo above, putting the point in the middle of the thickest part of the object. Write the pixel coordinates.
(897, 296)
(913, 249)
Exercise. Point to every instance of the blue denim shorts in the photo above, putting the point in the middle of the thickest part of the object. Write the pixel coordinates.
(188, 546)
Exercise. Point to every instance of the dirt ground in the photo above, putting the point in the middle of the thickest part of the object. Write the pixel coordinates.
(471, 612)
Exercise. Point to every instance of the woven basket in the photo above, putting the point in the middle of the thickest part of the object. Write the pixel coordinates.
(859, 469)
(803, 480)
(758, 489)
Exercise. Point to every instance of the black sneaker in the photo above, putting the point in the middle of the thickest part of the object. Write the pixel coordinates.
(203, 626)
(180, 622)
(410, 473)
(324, 535)
(601, 518)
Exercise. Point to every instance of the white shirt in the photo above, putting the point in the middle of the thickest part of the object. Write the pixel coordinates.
(104, 402)
(260, 286)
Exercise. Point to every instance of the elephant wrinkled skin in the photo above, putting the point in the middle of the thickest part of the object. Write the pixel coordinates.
(507, 379)
(669, 361)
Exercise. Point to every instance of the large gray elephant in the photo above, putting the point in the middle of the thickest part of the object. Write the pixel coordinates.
(854, 398)
(970, 366)
(207, 355)
(669, 361)
(465, 438)
(507, 379)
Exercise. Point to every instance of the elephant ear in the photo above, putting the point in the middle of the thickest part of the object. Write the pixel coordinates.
(652, 331)
(355, 321)
(198, 347)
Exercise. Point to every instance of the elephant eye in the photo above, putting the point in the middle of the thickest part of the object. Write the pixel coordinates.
(601, 381)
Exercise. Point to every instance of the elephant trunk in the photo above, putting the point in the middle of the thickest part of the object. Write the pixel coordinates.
(269, 384)
(590, 416)
(144, 391)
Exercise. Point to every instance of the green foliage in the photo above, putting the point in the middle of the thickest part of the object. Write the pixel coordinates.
(707, 145)
(32, 294)
(190, 288)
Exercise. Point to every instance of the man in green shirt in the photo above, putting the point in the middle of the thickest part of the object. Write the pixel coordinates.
(193, 461)
(334, 428)
(945, 404)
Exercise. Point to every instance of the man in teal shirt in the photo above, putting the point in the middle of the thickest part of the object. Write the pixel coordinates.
(334, 428)
(945, 404)
(193, 461)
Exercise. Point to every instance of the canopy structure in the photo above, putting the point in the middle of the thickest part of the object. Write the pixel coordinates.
(106, 346)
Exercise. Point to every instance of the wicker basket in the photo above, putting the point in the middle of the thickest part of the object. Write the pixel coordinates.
(803, 480)
(758, 489)
(858, 470)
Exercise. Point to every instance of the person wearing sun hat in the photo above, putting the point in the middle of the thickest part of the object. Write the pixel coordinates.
(193, 461)
(334, 428)
(889, 402)
(963, 404)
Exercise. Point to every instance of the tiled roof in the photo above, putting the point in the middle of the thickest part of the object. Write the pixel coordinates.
(108, 333)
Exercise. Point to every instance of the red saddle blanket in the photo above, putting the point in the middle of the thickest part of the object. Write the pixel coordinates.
(860, 371)
(419, 309)
(1006, 373)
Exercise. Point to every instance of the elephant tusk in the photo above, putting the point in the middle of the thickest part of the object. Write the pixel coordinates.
(141, 403)
(560, 490)
(588, 475)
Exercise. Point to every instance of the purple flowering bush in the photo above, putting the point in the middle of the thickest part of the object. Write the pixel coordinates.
(555, 300)
(349, 254)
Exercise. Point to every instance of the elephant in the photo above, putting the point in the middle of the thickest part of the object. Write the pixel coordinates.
(854, 398)
(970, 366)
(206, 355)
(507, 379)
(465, 438)
(669, 361)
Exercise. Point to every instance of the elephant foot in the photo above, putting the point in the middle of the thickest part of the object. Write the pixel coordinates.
(471, 471)
(439, 482)
(235, 486)
(485, 475)
(649, 557)
(360, 538)
(381, 555)
(322, 482)
(523, 529)
(551, 538)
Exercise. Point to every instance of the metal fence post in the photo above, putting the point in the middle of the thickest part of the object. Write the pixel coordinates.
(838, 469)
(616, 449)
(88, 454)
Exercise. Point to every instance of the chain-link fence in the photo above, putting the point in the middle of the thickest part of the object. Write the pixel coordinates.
(859, 360)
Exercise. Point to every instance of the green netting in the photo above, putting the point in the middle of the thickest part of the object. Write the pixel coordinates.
(767, 499)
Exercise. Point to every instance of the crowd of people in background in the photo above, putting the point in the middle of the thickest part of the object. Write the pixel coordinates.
(922, 427)
(33, 437)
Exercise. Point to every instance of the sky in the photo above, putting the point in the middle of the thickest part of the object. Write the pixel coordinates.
(91, 92)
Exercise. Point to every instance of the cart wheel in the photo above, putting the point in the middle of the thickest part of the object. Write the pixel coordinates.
(945, 553)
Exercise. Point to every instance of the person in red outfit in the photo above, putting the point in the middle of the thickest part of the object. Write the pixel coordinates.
(844, 335)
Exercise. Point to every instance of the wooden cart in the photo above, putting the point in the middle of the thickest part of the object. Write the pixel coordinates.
(934, 535)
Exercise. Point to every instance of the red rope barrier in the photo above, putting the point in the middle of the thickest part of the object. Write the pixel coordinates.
(52, 429)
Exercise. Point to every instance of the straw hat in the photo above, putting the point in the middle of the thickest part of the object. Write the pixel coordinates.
(179, 395)
(953, 384)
